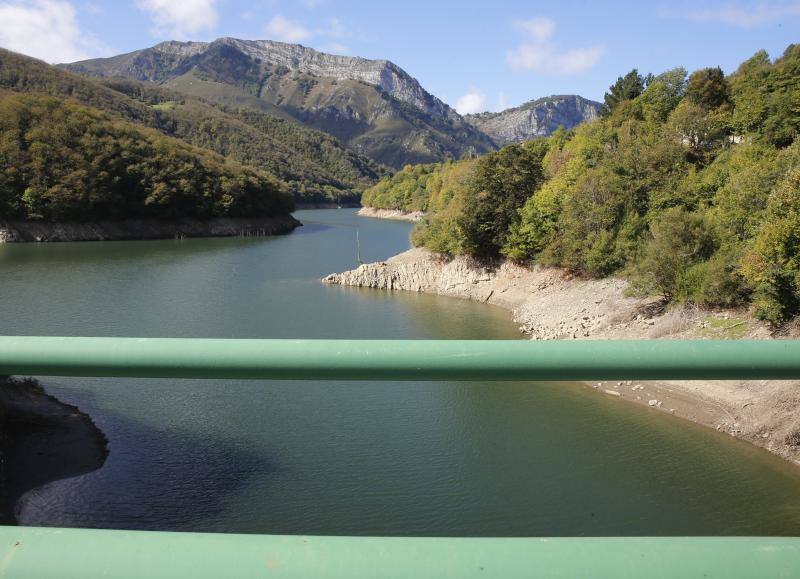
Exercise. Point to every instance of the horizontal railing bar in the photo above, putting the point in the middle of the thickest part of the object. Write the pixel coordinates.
(32, 552)
(472, 360)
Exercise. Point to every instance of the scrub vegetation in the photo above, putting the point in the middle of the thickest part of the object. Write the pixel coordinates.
(688, 185)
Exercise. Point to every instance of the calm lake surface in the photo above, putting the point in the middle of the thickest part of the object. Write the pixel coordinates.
(455, 459)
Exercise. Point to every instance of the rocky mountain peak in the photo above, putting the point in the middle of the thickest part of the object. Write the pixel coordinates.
(173, 57)
(383, 74)
(536, 118)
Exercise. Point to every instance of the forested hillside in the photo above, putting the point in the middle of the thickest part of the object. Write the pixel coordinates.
(689, 185)
(61, 161)
(314, 166)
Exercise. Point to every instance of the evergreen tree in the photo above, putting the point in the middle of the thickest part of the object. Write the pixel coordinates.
(626, 88)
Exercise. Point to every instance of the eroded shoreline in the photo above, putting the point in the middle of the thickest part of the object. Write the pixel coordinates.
(549, 304)
(391, 214)
(142, 229)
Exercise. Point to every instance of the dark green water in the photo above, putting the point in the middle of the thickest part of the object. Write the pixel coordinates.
(354, 458)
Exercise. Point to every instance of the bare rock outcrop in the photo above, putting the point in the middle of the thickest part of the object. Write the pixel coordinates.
(547, 303)
(538, 118)
(394, 214)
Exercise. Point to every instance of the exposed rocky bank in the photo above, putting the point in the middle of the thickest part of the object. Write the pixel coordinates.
(549, 304)
(138, 229)
(395, 214)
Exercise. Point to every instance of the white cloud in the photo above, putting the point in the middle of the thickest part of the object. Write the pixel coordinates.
(546, 59)
(750, 16)
(472, 102)
(280, 28)
(539, 28)
(502, 102)
(180, 19)
(46, 29)
(539, 54)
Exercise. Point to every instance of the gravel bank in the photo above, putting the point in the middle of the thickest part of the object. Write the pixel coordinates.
(391, 214)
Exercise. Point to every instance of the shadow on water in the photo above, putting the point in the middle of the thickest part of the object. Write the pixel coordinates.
(414, 459)
(154, 479)
(41, 440)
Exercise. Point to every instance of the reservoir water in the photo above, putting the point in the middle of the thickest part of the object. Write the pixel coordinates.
(425, 459)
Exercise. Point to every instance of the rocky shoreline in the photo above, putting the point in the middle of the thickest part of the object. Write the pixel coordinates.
(395, 214)
(549, 304)
(141, 229)
(41, 440)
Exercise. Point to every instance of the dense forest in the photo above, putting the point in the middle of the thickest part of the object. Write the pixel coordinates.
(688, 185)
(61, 161)
(314, 166)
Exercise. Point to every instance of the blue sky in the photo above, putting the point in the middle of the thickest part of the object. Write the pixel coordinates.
(474, 55)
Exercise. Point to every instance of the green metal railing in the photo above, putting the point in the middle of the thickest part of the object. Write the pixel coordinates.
(33, 552)
(84, 554)
(400, 360)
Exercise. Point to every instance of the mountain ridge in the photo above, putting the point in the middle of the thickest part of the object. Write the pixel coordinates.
(373, 106)
(381, 73)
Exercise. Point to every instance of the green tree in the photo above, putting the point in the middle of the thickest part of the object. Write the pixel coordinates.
(766, 97)
(663, 93)
(627, 87)
(657, 191)
(679, 239)
(591, 213)
(708, 88)
(703, 131)
(773, 264)
(503, 181)
(751, 172)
